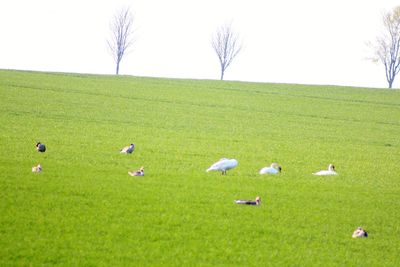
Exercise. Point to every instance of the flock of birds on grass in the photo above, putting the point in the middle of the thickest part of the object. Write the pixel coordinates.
(222, 165)
(225, 164)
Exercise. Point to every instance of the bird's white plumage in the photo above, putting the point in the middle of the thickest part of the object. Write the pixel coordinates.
(273, 169)
(223, 165)
(329, 171)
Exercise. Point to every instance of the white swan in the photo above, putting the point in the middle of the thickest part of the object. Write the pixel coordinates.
(273, 169)
(128, 149)
(223, 165)
(329, 171)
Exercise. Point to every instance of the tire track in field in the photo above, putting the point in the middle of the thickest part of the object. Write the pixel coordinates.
(310, 96)
(219, 105)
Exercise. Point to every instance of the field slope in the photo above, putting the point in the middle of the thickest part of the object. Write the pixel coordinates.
(85, 210)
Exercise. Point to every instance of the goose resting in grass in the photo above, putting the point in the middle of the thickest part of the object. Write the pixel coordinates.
(249, 202)
(330, 171)
(40, 147)
(37, 168)
(359, 232)
(273, 169)
(223, 165)
(128, 149)
(139, 172)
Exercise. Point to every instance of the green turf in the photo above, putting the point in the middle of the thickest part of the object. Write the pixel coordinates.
(85, 210)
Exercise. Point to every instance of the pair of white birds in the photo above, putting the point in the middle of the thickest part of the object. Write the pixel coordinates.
(225, 164)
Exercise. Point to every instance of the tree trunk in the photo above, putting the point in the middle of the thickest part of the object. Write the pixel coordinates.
(222, 74)
(117, 70)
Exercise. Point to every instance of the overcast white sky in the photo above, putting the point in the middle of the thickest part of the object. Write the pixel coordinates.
(286, 41)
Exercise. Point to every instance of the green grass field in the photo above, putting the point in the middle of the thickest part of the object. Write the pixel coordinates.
(85, 210)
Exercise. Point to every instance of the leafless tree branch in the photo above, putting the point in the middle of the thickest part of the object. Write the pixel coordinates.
(122, 31)
(387, 49)
(226, 45)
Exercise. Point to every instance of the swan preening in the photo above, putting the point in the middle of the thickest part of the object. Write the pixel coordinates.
(223, 165)
(128, 149)
(37, 168)
(139, 172)
(329, 171)
(273, 169)
(249, 202)
(360, 232)
(40, 147)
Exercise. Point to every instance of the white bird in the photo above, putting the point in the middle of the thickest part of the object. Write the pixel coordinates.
(128, 149)
(273, 169)
(329, 171)
(140, 172)
(223, 165)
(37, 168)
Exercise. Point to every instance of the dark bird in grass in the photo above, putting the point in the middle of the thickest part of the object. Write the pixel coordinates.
(40, 147)
(128, 149)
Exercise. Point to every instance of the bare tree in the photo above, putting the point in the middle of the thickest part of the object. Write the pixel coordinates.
(227, 45)
(388, 45)
(121, 35)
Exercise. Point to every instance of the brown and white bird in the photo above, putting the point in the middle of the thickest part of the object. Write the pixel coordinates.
(249, 202)
(37, 168)
(359, 232)
(128, 149)
(139, 172)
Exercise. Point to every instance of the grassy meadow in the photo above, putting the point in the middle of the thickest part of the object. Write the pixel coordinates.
(85, 210)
